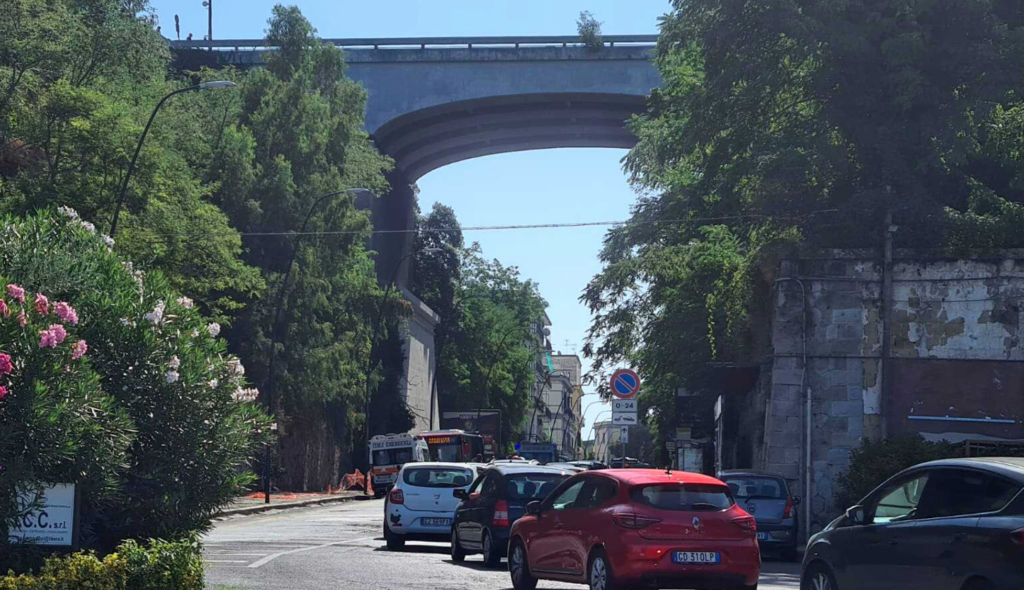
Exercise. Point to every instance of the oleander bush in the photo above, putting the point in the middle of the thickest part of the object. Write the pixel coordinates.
(112, 381)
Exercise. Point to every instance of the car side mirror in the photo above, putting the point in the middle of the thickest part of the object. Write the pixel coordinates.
(459, 493)
(796, 500)
(534, 508)
(856, 515)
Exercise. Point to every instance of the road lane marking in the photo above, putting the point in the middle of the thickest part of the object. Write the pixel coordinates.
(225, 561)
(274, 556)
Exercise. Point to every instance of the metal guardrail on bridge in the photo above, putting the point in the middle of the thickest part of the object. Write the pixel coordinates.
(425, 42)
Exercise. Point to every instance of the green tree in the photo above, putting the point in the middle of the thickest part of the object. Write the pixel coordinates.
(79, 80)
(296, 134)
(488, 359)
(791, 123)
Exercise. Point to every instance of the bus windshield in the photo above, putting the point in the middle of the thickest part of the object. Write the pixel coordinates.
(447, 452)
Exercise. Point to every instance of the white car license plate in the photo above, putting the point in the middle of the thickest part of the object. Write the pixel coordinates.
(697, 557)
(762, 536)
(436, 521)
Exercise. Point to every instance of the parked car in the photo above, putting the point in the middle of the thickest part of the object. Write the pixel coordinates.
(767, 498)
(956, 524)
(568, 467)
(497, 499)
(420, 506)
(589, 465)
(622, 528)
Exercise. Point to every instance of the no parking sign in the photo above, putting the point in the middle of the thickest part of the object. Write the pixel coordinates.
(625, 384)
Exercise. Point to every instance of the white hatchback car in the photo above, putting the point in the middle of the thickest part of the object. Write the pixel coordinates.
(421, 506)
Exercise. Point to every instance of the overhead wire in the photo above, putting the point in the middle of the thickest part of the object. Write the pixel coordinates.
(534, 226)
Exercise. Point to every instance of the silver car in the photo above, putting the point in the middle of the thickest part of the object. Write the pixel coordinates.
(767, 498)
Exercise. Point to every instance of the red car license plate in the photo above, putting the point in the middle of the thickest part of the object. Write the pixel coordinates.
(696, 557)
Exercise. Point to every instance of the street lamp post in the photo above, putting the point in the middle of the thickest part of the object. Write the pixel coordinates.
(145, 132)
(376, 332)
(277, 320)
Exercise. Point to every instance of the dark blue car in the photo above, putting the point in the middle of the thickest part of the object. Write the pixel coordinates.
(494, 502)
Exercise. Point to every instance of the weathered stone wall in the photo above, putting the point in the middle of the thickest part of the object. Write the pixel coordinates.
(420, 363)
(944, 311)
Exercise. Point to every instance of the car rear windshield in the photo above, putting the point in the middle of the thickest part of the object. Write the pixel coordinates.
(689, 497)
(532, 486)
(748, 486)
(438, 477)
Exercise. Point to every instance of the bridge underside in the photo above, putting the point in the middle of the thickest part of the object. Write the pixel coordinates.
(433, 137)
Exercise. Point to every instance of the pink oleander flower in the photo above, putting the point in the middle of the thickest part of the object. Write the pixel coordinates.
(78, 350)
(4, 310)
(47, 339)
(42, 304)
(16, 293)
(66, 313)
(22, 319)
(6, 366)
(59, 333)
(3, 392)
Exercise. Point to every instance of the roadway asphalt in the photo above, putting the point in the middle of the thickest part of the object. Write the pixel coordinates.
(340, 546)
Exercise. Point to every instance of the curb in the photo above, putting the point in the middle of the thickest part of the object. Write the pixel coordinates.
(283, 506)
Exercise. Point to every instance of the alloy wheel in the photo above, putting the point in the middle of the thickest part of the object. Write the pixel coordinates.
(598, 574)
(516, 564)
(821, 581)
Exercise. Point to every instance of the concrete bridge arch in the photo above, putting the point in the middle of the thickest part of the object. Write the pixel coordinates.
(437, 101)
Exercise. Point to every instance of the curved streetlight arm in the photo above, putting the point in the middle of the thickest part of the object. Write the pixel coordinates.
(279, 299)
(145, 132)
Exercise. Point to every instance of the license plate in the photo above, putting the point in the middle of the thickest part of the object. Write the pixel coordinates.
(696, 557)
(436, 521)
(762, 536)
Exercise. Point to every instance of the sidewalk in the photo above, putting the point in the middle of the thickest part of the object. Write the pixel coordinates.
(254, 503)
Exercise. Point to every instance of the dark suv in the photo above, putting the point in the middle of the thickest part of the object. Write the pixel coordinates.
(497, 499)
(767, 498)
(956, 524)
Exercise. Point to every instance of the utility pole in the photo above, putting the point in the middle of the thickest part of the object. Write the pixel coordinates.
(887, 269)
(209, 17)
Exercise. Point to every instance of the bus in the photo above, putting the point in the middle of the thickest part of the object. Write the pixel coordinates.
(388, 452)
(454, 446)
(542, 452)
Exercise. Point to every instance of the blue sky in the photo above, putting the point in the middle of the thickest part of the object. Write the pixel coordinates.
(567, 185)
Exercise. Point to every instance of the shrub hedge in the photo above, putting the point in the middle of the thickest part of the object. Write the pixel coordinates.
(158, 565)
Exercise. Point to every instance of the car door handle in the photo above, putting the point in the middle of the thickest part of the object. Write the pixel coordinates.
(959, 537)
(559, 526)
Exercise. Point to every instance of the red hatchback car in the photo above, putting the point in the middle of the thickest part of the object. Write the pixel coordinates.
(619, 528)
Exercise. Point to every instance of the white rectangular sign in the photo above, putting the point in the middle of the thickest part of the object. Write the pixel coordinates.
(52, 522)
(624, 435)
(626, 406)
(624, 419)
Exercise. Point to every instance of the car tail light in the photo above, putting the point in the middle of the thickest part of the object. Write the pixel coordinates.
(633, 522)
(747, 523)
(396, 497)
(501, 513)
(1018, 537)
(788, 512)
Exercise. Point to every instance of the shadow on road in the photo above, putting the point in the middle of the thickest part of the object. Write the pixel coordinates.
(782, 574)
(418, 549)
(478, 566)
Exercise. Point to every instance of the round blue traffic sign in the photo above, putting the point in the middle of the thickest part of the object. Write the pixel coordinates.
(625, 384)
